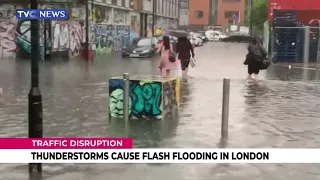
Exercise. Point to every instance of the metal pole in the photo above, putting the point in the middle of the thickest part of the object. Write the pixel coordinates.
(153, 15)
(225, 108)
(306, 45)
(251, 26)
(87, 31)
(34, 97)
(126, 84)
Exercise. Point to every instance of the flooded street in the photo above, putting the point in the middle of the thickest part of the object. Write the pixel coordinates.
(279, 111)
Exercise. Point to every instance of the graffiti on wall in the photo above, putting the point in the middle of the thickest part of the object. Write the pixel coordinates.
(170, 98)
(152, 99)
(68, 36)
(107, 33)
(162, 25)
(101, 15)
(134, 25)
(121, 17)
(146, 98)
(23, 38)
(60, 30)
(15, 35)
(116, 98)
(8, 23)
(110, 38)
(77, 37)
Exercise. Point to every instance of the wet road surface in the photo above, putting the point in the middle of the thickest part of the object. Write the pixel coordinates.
(279, 111)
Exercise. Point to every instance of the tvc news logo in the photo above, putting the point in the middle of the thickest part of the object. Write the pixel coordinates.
(51, 14)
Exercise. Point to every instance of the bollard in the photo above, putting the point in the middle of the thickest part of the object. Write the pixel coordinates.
(126, 84)
(225, 108)
(306, 45)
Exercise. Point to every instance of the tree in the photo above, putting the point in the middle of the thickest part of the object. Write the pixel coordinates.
(259, 13)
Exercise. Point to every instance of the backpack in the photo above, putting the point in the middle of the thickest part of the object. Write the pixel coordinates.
(256, 52)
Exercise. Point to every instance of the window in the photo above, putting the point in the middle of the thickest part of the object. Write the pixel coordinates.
(198, 14)
(143, 42)
(231, 14)
(184, 5)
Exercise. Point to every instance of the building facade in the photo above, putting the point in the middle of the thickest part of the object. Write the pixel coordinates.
(199, 12)
(184, 13)
(213, 12)
(166, 16)
(113, 24)
(231, 12)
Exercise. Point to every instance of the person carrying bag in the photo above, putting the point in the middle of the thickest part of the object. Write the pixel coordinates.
(167, 57)
(185, 54)
(256, 59)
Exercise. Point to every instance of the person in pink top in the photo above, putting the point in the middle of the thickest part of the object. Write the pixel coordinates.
(165, 65)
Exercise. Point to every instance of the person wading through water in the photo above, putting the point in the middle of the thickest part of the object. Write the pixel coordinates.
(165, 65)
(255, 58)
(185, 51)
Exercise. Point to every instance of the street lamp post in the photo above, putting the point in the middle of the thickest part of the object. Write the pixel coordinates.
(34, 98)
(153, 15)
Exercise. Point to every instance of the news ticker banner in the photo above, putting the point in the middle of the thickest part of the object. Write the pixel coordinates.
(119, 150)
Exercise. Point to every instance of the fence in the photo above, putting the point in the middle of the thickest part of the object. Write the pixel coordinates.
(295, 44)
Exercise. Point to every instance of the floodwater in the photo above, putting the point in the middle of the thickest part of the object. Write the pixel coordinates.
(279, 111)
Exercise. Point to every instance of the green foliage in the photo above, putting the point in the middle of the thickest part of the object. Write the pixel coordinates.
(259, 13)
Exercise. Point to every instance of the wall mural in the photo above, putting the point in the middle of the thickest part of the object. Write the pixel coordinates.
(162, 25)
(148, 99)
(110, 30)
(110, 38)
(134, 25)
(15, 35)
(8, 24)
(67, 36)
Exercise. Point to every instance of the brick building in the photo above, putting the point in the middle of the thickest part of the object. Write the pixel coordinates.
(231, 11)
(203, 13)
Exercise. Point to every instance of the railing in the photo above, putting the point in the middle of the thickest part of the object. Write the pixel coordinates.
(295, 44)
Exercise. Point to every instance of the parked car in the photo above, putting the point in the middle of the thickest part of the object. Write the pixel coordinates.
(141, 47)
(178, 33)
(192, 41)
(218, 36)
(197, 38)
(237, 38)
(210, 35)
(203, 36)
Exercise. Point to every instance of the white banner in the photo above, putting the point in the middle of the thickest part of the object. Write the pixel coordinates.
(160, 156)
